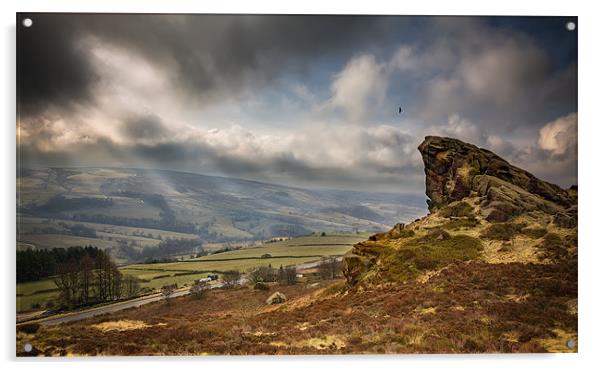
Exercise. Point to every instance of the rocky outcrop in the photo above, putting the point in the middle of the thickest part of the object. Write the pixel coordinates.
(455, 170)
(468, 187)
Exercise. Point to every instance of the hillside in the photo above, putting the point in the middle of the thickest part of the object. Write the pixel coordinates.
(492, 268)
(141, 207)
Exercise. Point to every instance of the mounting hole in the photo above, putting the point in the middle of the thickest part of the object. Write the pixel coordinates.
(27, 347)
(570, 344)
(571, 26)
(27, 22)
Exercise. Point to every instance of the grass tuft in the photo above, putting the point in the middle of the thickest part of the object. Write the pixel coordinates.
(502, 231)
(460, 209)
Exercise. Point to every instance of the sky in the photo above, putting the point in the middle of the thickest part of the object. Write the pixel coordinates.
(308, 101)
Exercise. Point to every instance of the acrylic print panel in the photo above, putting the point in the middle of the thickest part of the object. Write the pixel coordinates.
(276, 184)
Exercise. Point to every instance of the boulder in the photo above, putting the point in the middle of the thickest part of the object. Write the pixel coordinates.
(276, 298)
(451, 167)
(395, 232)
(354, 266)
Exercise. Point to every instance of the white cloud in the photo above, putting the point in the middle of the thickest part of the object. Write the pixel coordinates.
(360, 87)
(404, 59)
(559, 136)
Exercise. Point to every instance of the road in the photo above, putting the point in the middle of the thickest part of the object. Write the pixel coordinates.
(114, 307)
(136, 302)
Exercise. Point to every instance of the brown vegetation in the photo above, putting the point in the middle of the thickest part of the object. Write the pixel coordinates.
(470, 307)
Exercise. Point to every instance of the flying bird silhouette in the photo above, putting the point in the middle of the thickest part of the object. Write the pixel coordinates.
(400, 110)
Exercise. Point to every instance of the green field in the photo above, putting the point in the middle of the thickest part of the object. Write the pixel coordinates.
(289, 252)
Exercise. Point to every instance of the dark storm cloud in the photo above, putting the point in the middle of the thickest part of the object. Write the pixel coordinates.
(123, 90)
(205, 54)
(51, 67)
(149, 126)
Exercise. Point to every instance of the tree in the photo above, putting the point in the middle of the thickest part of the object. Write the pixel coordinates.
(167, 291)
(67, 282)
(290, 273)
(86, 276)
(199, 289)
(329, 268)
(262, 274)
(131, 286)
(231, 278)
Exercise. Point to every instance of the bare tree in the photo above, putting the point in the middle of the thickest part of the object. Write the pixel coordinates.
(329, 268)
(167, 291)
(67, 281)
(86, 276)
(290, 273)
(231, 278)
(131, 286)
(199, 289)
(88, 280)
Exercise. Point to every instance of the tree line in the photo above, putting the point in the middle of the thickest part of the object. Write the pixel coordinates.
(82, 275)
(285, 275)
(37, 264)
(166, 247)
(92, 280)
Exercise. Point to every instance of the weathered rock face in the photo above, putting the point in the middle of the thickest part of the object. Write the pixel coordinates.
(455, 169)
(469, 187)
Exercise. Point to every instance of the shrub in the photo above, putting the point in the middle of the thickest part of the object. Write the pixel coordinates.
(262, 274)
(553, 246)
(460, 209)
(459, 223)
(261, 286)
(535, 232)
(231, 278)
(427, 253)
(435, 235)
(199, 289)
(30, 328)
(502, 231)
(403, 234)
(167, 291)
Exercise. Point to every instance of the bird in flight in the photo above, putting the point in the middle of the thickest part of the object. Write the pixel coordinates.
(400, 110)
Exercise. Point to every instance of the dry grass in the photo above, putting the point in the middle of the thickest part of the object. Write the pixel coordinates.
(121, 325)
(467, 307)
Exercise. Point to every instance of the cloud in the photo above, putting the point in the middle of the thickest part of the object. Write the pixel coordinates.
(355, 156)
(52, 66)
(149, 126)
(291, 99)
(503, 79)
(360, 87)
(559, 136)
(206, 56)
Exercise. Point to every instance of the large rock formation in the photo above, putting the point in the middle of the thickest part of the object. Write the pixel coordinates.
(470, 189)
(455, 170)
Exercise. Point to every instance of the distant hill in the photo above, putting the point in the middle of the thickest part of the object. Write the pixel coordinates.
(216, 209)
